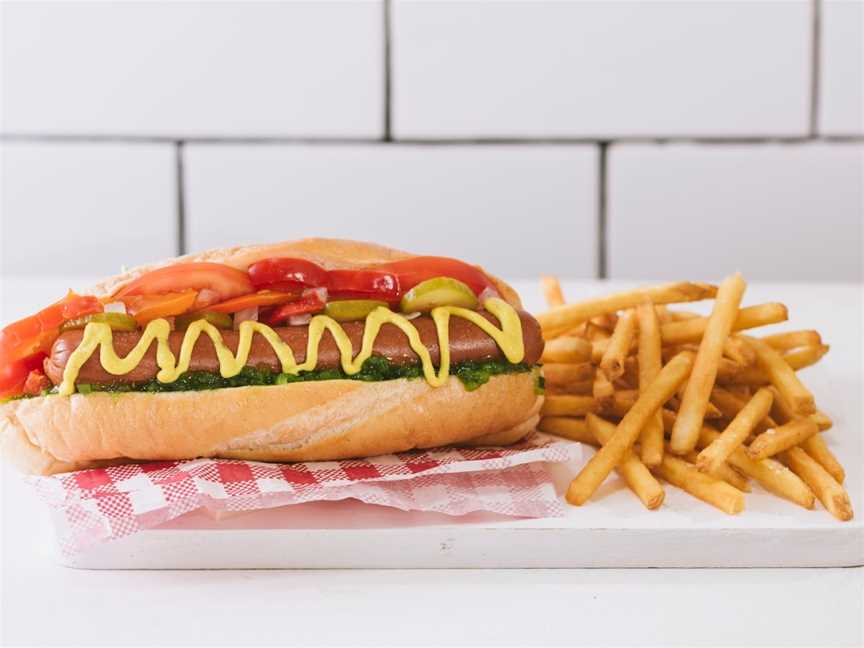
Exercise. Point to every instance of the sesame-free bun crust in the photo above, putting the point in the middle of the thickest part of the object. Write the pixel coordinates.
(308, 421)
(331, 254)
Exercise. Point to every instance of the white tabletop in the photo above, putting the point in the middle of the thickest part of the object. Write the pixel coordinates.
(44, 603)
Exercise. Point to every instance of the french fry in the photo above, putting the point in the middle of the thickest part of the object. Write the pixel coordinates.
(568, 427)
(552, 291)
(681, 316)
(621, 403)
(805, 356)
(602, 463)
(771, 474)
(711, 412)
(715, 455)
(738, 350)
(709, 489)
(793, 340)
(603, 388)
(631, 372)
(832, 495)
(650, 363)
(782, 412)
(561, 374)
(730, 404)
(727, 370)
(798, 359)
(565, 317)
(579, 388)
(596, 333)
(782, 376)
(663, 314)
(635, 474)
(821, 419)
(612, 362)
(692, 330)
(741, 391)
(606, 321)
(668, 420)
(569, 405)
(725, 472)
(816, 447)
(776, 440)
(568, 350)
(621, 383)
(691, 414)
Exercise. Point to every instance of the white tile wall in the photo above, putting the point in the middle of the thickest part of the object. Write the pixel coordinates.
(842, 70)
(597, 68)
(85, 208)
(193, 68)
(518, 210)
(772, 211)
(593, 69)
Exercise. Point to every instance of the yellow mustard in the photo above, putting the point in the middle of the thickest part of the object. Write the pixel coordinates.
(98, 334)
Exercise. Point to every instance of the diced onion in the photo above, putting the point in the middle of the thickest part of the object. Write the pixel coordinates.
(487, 293)
(320, 292)
(206, 297)
(247, 314)
(299, 320)
(115, 307)
(411, 316)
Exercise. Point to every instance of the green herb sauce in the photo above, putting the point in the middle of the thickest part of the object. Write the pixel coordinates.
(472, 374)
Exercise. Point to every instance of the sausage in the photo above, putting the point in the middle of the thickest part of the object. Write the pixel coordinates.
(467, 342)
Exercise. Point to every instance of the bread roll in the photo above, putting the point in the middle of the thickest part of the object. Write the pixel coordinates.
(304, 421)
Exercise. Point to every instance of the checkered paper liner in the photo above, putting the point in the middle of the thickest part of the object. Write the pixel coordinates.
(98, 505)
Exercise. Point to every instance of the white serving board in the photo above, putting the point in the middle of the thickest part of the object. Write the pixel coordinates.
(608, 533)
(612, 530)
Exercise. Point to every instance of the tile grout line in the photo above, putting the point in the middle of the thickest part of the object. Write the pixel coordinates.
(815, 66)
(388, 72)
(602, 211)
(479, 141)
(180, 186)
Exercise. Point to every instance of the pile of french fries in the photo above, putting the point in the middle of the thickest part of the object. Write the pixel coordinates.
(692, 400)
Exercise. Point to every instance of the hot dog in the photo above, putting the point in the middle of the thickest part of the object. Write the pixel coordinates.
(467, 343)
(308, 350)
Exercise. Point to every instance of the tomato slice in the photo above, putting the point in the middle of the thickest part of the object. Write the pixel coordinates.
(312, 301)
(261, 298)
(287, 274)
(37, 332)
(369, 283)
(411, 272)
(145, 308)
(213, 281)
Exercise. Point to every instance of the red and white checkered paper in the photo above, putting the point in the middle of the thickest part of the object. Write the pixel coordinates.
(103, 504)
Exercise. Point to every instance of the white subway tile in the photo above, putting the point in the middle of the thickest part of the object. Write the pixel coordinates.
(774, 212)
(85, 209)
(600, 69)
(194, 68)
(518, 210)
(841, 106)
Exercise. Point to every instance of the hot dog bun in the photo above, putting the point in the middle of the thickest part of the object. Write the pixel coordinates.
(334, 419)
(306, 421)
(330, 254)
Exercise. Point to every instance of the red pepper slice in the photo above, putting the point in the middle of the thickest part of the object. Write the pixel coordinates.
(312, 301)
(36, 333)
